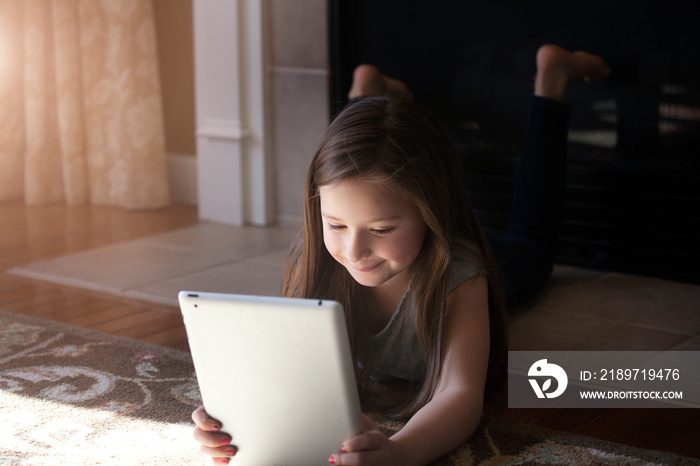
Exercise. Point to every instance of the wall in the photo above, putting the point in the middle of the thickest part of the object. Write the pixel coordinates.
(174, 34)
(300, 87)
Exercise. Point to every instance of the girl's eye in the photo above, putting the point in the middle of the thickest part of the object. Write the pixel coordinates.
(335, 227)
(382, 231)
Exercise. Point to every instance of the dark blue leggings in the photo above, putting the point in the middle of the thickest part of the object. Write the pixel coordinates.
(526, 250)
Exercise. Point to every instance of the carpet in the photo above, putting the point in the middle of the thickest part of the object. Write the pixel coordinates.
(71, 396)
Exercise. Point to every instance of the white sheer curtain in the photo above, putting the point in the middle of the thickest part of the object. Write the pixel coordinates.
(80, 108)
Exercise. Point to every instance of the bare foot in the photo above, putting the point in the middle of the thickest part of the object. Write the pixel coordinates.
(368, 81)
(557, 68)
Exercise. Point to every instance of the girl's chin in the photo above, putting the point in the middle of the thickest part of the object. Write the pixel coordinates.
(365, 279)
(374, 280)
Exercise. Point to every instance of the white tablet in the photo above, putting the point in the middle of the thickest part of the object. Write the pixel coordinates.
(277, 372)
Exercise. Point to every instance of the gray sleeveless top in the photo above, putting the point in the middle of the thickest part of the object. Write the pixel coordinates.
(396, 348)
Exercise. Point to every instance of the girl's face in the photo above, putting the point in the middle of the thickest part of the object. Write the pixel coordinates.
(373, 233)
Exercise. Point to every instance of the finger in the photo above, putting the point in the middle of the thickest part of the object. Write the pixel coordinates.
(364, 442)
(351, 459)
(211, 439)
(353, 444)
(204, 421)
(221, 460)
(221, 455)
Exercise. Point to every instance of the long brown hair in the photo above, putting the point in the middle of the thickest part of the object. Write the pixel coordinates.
(397, 144)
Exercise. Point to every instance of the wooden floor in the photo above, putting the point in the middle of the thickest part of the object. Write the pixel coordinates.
(35, 233)
(30, 234)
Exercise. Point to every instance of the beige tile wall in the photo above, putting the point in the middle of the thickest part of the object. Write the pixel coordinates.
(300, 94)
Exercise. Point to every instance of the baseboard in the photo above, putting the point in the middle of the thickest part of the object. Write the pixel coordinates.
(182, 174)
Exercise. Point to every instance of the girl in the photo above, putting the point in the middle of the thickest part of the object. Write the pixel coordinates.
(389, 234)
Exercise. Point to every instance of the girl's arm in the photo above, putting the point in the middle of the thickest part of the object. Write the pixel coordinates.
(454, 412)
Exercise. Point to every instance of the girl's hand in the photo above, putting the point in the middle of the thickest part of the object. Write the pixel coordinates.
(368, 449)
(214, 443)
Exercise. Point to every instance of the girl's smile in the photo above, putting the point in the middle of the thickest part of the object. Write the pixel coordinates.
(373, 233)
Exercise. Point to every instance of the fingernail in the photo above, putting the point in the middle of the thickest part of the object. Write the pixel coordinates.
(215, 429)
(225, 461)
(230, 451)
(331, 460)
(224, 442)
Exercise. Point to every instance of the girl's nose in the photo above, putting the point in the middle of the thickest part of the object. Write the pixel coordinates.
(357, 247)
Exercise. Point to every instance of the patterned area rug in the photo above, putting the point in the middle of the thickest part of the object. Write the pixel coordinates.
(70, 396)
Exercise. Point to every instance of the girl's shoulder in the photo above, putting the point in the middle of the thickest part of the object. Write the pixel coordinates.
(466, 261)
